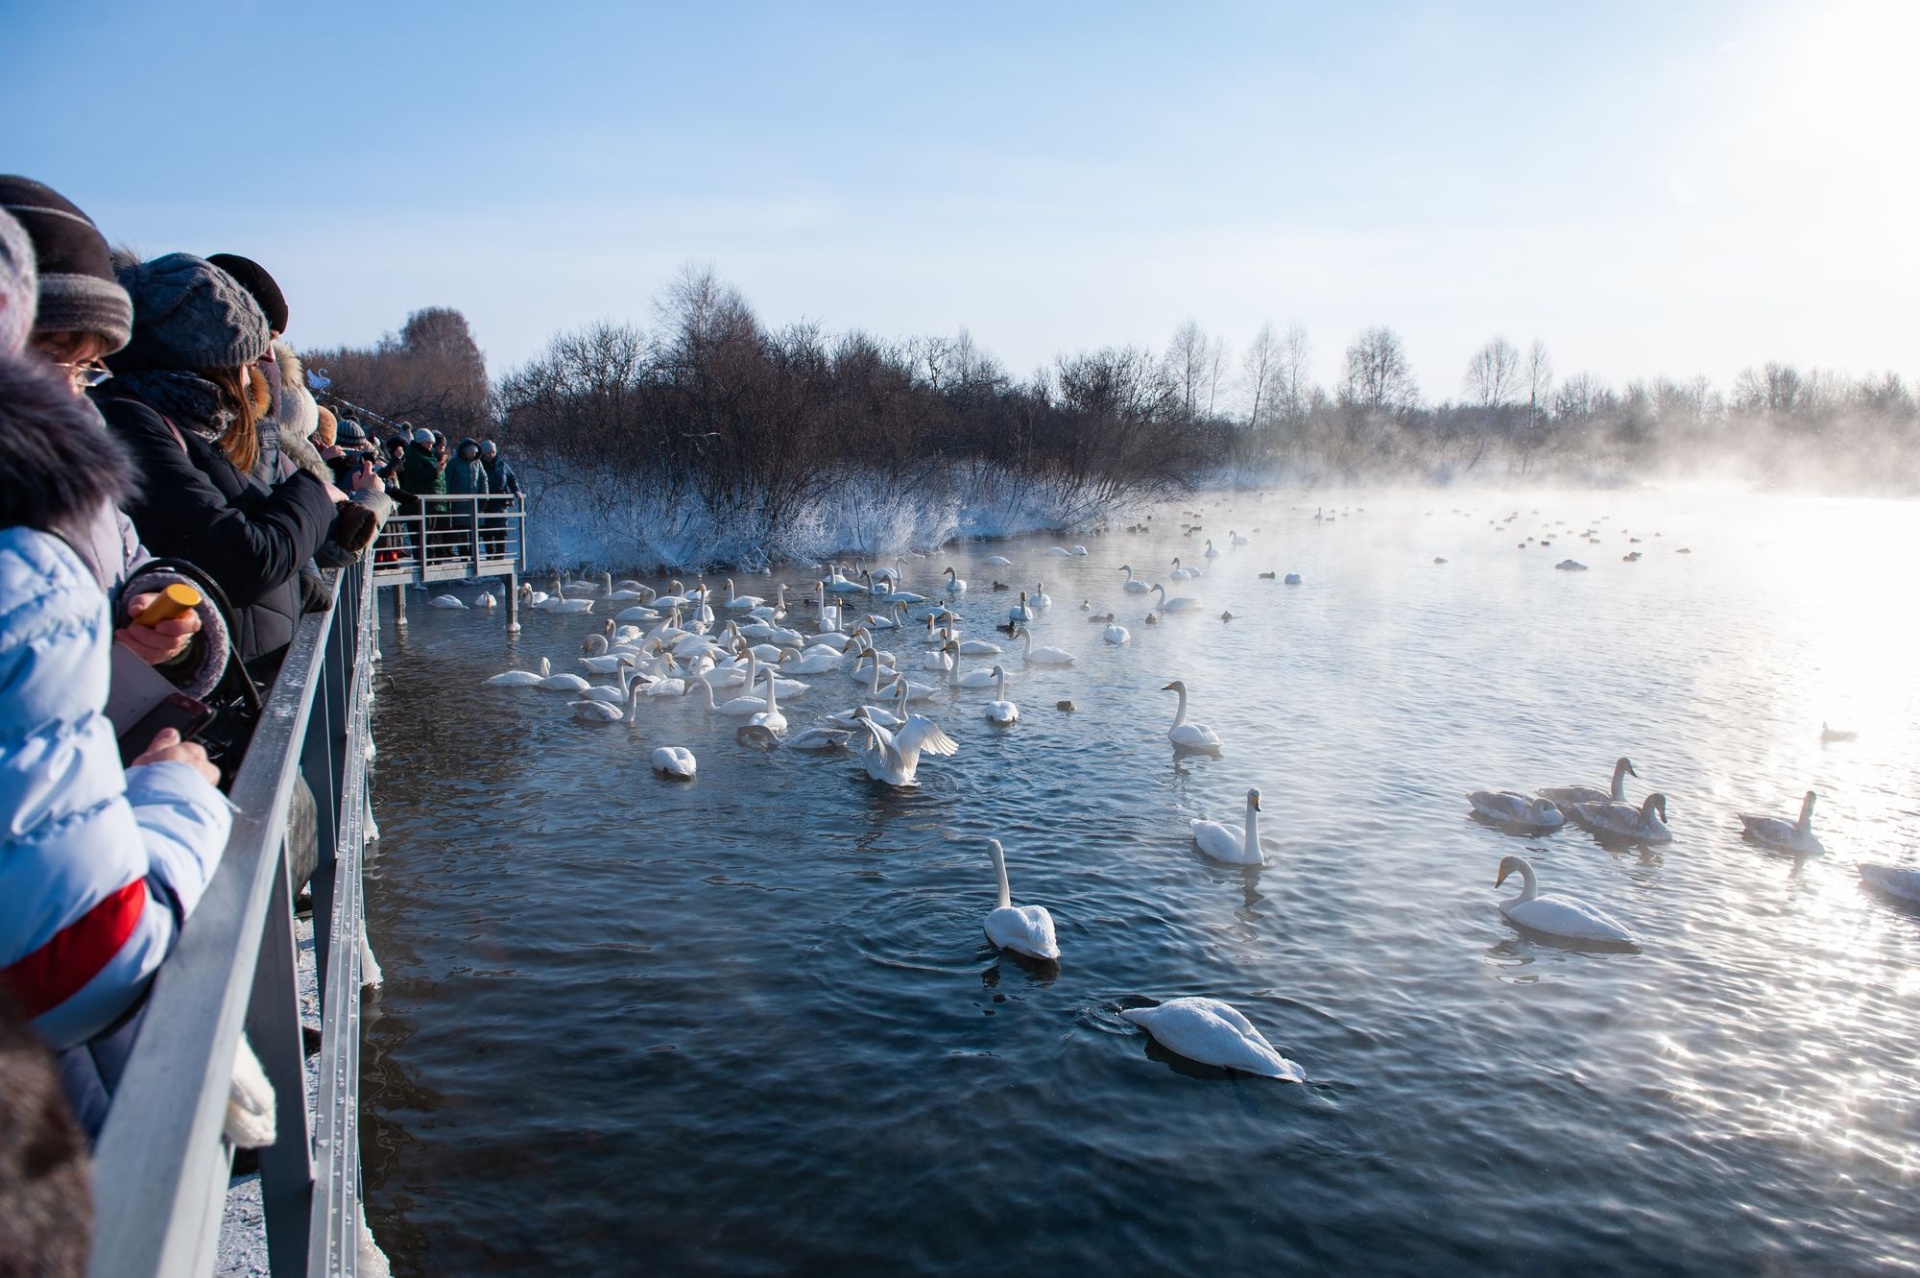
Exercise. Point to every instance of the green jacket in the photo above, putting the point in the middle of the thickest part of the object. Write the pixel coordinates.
(420, 472)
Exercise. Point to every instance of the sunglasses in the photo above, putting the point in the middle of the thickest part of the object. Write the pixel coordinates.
(88, 375)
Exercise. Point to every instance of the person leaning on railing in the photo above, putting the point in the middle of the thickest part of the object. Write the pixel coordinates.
(99, 865)
(181, 402)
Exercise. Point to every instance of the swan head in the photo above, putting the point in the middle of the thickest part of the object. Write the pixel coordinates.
(1655, 803)
(1806, 809)
(1178, 685)
(1624, 764)
(999, 673)
(1513, 865)
(1253, 800)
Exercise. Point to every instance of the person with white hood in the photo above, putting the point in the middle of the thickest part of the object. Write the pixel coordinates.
(100, 864)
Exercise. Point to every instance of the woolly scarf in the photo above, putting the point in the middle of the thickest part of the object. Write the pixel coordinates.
(190, 400)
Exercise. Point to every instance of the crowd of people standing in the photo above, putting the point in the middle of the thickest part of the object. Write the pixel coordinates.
(172, 493)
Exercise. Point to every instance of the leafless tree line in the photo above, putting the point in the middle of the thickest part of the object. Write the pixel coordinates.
(711, 405)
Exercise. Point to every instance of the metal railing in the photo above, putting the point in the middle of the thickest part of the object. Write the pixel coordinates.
(450, 538)
(161, 1167)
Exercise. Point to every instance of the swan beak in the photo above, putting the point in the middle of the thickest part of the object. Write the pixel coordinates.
(1256, 805)
(1168, 688)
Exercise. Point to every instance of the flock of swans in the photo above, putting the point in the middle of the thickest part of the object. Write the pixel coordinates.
(684, 642)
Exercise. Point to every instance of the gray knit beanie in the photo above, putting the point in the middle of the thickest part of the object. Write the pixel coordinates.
(189, 314)
(19, 285)
(77, 289)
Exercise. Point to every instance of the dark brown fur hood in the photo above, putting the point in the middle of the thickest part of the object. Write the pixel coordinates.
(58, 463)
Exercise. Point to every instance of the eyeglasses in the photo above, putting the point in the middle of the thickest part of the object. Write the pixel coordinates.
(88, 375)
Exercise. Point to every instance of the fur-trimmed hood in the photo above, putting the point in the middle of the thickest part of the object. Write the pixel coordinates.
(58, 463)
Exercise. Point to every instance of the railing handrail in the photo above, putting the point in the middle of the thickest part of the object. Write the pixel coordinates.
(160, 1169)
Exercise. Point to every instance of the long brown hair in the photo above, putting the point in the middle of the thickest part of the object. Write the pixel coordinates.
(241, 440)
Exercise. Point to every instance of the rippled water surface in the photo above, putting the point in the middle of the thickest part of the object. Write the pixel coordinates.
(750, 1025)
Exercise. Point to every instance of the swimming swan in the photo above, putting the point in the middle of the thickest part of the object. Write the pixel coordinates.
(1564, 796)
(1024, 929)
(604, 712)
(1133, 585)
(1180, 603)
(1623, 820)
(1796, 837)
(1224, 843)
(1189, 736)
(521, 678)
(446, 601)
(1564, 917)
(770, 718)
(1044, 656)
(1000, 710)
(1213, 1033)
(676, 762)
(894, 758)
(1893, 880)
(1518, 811)
(955, 586)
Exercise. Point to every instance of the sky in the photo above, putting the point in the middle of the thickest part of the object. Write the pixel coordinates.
(1650, 188)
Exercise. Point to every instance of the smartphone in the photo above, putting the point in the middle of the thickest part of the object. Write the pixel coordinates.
(177, 711)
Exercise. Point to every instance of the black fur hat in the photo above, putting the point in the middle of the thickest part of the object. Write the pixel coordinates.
(58, 463)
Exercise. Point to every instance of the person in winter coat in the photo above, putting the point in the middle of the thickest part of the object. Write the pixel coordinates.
(466, 473)
(500, 476)
(99, 865)
(76, 312)
(422, 472)
(182, 403)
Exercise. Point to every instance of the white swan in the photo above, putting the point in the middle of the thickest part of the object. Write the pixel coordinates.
(1024, 929)
(1116, 634)
(521, 678)
(611, 695)
(446, 601)
(1039, 598)
(1565, 917)
(1061, 551)
(894, 758)
(1213, 1033)
(1079, 552)
(1182, 574)
(604, 712)
(1044, 656)
(998, 561)
(1235, 539)
(1644, 824)
(1796, 837)
(1291, 579)
(1210, 552)
(741, 603)
(564, 683)
(1224, 843)
(1517, 811)
(979, 648)
(1133, 585)
(1020, 612)
(818, 739)
(970, 679)
(955, 586)
(1000, 710)
(1893, 880)
(770, 718)
(1179, 603)
(1184, 735)
(1563, 796)
(676, 762)
(487, 601)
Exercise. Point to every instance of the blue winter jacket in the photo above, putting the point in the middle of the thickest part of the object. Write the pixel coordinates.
(99, 864)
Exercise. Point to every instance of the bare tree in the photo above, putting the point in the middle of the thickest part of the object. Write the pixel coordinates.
(1378, 377)
(1491, 373)
(1539, 380)
(1259, 367)
(1188, 357)
(1293, 383)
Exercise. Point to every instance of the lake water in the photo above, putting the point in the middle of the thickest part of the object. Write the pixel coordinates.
(750, 1025)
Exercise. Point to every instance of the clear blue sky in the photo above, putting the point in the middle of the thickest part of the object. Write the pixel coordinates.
(1652, 188)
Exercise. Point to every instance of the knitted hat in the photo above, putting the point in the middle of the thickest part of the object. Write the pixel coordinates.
(349, 431)
(189, 314)
(78, 293)
(253, 277)
(19, 283)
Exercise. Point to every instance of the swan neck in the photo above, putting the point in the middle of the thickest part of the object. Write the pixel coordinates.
(1180, 715)
(1620, 781)
(1000, 870)
(1253, 829)
(1529, 885)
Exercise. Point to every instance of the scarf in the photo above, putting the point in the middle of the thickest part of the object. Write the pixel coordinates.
(191, 400)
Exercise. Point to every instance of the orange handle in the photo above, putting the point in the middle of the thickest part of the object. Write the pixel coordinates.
(170, 603)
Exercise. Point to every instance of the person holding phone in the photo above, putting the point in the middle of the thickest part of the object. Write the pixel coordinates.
(100, 864)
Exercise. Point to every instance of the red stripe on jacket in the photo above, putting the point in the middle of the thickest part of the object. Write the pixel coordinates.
(61, 968)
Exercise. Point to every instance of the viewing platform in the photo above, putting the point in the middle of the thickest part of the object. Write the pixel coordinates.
(454, 538)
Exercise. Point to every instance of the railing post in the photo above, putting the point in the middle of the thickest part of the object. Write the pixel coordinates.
(400, 604)
(473, 518)
(273, 1028)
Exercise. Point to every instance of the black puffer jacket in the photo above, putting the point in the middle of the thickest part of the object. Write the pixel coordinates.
(195, 505)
